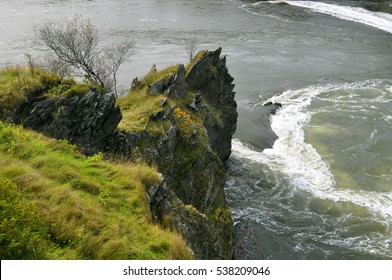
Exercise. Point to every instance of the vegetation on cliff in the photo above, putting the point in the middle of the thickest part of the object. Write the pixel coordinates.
(59, 204)
(181, 120)
(77, 52)
(17, 83)
(178, 121)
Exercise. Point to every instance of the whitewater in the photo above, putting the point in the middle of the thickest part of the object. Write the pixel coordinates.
(299, 170)
(324, 190)
(379, 20)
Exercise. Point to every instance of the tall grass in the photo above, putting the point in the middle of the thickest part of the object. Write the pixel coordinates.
(17, 82)
(58, 204)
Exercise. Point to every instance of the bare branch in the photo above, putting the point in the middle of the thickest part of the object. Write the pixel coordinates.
(76, 45)
(117, 55)
(190, 46)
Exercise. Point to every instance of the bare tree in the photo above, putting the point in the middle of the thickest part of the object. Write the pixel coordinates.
(30, 62)
(117, 55)
(190, 46)
(76, 45)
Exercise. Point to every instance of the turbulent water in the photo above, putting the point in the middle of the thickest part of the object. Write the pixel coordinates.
(324, 190)
(326, 185)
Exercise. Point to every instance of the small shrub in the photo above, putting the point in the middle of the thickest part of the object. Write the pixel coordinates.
(183, 120)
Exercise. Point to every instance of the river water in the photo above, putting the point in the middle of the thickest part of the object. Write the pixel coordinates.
(324, 190)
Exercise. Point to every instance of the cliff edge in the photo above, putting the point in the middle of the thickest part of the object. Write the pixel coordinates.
(181, 120)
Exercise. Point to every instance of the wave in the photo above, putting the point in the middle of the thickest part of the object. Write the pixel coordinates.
(277, 209)
(298, 161)
(378, 20)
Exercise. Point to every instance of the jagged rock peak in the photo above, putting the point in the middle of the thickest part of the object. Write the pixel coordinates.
(211, 78)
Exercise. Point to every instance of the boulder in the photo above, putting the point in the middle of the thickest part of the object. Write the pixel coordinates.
(195, 102)
(135, 84)
(177, 86)
(177, 91)
(179, 76)
(158, 87)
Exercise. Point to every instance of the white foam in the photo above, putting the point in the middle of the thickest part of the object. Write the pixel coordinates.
(299, 161)
(379, 20)
(295, 157)
(245, 7)
(148, 20)
(388, 119)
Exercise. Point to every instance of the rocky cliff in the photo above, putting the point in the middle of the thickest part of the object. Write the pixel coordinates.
(83, 120)
(180, 120)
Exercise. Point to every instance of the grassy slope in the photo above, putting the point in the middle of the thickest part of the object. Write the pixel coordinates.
(58, 204)
(14, 83)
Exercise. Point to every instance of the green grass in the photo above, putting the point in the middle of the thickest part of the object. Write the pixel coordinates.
(138, 105)
(58, 204)
(154, 76)
(17, 82)
(195, 59)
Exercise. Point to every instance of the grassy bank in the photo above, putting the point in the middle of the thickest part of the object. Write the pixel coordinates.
(59, 204)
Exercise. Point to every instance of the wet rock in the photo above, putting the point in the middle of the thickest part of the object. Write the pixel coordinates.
(273, 107)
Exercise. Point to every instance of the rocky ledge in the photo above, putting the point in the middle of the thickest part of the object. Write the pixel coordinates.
(187, 136)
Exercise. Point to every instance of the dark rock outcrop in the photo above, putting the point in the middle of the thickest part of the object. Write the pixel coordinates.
(254, 127)
(86, 121)
(177, 85)
(211, 79)
(158, 87)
